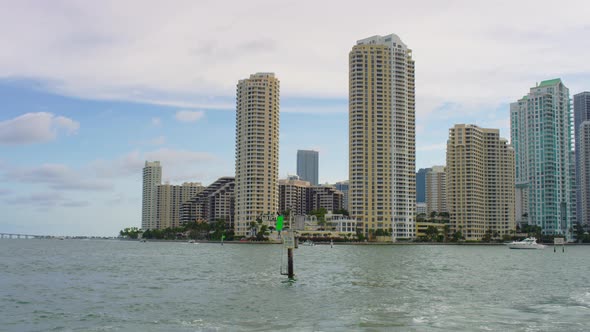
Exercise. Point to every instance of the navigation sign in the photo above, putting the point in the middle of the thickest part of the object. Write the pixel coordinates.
(288, 239)
(280, 223)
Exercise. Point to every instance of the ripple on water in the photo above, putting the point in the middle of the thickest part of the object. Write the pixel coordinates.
(126, 286)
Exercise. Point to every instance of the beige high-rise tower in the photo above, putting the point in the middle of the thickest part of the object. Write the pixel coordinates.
(257, 150)
(382, 192)
(480, 182)
(152, 178)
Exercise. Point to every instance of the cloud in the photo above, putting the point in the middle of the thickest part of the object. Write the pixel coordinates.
(57, 177)
(189, 116)
(177, 164)
(33, 128)
(156, 122)
(4, 191)
(75, 204)
(46, 200)
(43, 199)
(460, 54)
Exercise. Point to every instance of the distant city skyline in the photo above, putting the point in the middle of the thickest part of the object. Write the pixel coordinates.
(92, 94)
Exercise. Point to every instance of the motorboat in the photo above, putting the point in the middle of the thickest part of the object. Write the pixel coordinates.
(528, 243)
(308, 243)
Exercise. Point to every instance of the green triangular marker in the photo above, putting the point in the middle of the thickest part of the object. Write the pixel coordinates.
(280, 223)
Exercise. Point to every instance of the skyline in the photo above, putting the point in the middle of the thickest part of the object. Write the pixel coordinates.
(87, 100)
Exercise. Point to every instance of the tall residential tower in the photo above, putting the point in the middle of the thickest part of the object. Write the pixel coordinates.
(480, 182)
(581, 129)
(541, 134)
(382, 136)
(257, 150)
(152, 177)
(307, 166)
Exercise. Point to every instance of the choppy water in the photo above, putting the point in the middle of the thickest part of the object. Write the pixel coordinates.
(76, 285)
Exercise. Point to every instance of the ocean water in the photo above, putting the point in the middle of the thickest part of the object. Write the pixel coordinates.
(103, 285)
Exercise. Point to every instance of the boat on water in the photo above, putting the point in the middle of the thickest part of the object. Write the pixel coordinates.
(528, 243)
(308, 243)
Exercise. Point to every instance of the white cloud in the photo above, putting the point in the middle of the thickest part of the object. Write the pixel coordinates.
(57, 177)
(194, 58)
(46, 200)
(156, 122)
(33, 128)
(177, 165)
(189, 116)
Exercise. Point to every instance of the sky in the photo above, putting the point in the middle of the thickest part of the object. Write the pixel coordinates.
(90, 90)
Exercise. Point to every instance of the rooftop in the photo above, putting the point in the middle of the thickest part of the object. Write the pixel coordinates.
(550, 82)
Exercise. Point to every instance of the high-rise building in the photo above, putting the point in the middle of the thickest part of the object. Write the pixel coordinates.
(308, 165)
(421, 185)
(300, 197)
(343, 187)
(436, 190)
(382, 192)
(294, 196)
(583, 156)
(582, 114)
(541, 134)
(325, 197)
(257, 150)
(480, 182)
(152, 177)
(169, 202)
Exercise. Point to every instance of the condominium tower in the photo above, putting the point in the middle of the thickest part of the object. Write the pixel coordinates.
(583, 153)
(308, 165)
(169, 202)
(436, 190)
(257, 150)
(152, 177)
(382, 136)
(581, 115)
(480, 182)
(541, 134)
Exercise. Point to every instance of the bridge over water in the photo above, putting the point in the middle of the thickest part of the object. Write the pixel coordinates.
(25, 236)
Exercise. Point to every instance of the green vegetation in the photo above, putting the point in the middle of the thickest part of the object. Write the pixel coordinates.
(320, 213)
(193, 231)
(130, 232)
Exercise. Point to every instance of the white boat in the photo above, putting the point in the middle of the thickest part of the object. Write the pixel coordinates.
(308, 243)
(528, 243)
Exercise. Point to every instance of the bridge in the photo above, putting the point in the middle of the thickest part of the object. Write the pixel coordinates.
(25, 236)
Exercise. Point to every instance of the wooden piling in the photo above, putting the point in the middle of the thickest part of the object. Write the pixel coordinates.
(290, 273)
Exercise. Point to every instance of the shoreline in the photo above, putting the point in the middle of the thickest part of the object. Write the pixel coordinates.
(352, 243)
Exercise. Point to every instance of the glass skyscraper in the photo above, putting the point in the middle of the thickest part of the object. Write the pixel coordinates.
(581, 128)
(307, 166)
(541, 134)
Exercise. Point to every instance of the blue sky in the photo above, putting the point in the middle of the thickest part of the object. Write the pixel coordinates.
(89, 92)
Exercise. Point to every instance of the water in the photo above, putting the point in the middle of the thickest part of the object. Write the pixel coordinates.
(77, 285)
